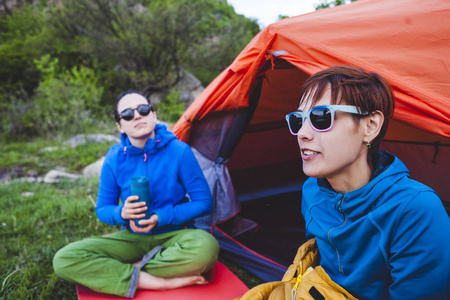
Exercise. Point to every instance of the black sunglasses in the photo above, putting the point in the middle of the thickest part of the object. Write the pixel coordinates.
(143, 110)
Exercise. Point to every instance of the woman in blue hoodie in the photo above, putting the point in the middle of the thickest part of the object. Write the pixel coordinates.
(164, 252)
(380, 234)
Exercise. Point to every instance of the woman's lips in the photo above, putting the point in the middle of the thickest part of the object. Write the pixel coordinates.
(308, 154)
(140, 124)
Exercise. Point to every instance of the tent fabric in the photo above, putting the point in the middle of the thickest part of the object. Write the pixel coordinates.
(226, 203)
(263, 267)
(405, 41)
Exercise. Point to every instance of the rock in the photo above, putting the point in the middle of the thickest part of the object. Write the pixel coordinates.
(49, 149)
(54, 176)
(16, 172)
(27, 194)
(189, 87)
(94, 169)
(32, 173)
(31, 179)
(90, 138)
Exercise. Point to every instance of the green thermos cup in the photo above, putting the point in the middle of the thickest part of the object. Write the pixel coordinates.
(141, 188)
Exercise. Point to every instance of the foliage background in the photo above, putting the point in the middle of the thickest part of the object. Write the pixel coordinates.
(63, 63)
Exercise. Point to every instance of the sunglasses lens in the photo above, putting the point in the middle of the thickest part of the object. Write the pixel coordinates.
(144, 110)
(321, 118)
(127, 114)
(295, 122)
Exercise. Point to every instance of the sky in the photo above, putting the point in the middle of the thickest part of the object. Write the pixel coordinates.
(267, 11)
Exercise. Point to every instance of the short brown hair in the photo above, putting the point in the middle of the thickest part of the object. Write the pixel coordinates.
(354, 86)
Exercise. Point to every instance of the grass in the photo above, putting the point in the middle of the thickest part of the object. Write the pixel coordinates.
(33, 156)
(34, 227)
(37, 219)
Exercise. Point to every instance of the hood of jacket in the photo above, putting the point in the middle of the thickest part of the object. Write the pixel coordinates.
(162, 138)
(359, 202)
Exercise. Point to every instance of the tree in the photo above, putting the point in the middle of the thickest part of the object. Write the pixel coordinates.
(326, 4)
(18, 49)
(211, 57)
(146, 42)
(27, 34)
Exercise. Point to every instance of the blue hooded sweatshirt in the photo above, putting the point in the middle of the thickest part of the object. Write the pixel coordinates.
(390, 239)
(179, 191)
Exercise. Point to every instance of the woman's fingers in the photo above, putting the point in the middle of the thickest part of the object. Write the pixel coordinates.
(135, 228)
(136, 213)
(132, 209)
(132, 198)
(137, 209)
(148, 224)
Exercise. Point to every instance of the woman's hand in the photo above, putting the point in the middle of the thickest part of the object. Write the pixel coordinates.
(133, 210)
(151, 223)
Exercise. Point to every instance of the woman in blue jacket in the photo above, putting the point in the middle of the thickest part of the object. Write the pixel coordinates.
(160, 253)
(380, 234)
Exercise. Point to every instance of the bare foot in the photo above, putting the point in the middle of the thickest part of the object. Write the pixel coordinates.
(136, 264)
(150, 282)
(177, 282)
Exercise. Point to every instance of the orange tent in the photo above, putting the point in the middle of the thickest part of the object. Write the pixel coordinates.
(237, 125)
(405, 41)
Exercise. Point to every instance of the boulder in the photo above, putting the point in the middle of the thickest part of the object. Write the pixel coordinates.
(94, 169)
(54, 176)
(189, 86)
(90, 138)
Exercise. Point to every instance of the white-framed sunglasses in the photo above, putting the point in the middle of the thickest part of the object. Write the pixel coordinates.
(321, 118)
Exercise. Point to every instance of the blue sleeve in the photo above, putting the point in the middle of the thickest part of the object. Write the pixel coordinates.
(200, 200)
(108, 209)
(420, 250)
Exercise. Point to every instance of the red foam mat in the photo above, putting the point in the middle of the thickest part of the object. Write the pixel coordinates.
(224, 285)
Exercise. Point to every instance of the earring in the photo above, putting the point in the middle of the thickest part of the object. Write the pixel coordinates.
(368, 145)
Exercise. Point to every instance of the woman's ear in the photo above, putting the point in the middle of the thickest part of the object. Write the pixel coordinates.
(119, 127)
(373, 123)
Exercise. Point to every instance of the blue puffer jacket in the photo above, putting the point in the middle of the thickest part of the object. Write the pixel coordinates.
(173, 172)
(389, 239)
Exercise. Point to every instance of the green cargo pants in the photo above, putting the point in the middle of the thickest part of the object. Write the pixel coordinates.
(104, 264)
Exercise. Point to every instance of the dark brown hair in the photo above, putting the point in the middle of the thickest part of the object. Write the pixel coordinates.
(353, 86)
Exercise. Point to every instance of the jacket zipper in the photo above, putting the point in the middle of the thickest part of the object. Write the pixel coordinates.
(329, 236)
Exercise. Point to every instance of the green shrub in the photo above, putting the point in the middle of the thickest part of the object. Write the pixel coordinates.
(14, 106)
(170, 109)
(66, 103)
(19, 35)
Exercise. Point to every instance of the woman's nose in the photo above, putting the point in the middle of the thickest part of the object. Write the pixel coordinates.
(137, 115)
(306, 131)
